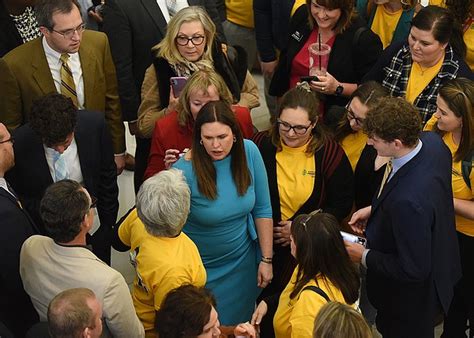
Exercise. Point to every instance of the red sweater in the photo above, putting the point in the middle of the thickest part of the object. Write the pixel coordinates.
(168, 134)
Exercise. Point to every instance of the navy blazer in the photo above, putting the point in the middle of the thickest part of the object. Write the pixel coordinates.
(31, 176)
(411, 235)
(16, 310)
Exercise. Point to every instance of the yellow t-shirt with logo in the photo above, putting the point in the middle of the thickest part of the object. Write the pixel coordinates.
(296, 174)
(460, 188)
(353, 145)
(161, 264)
(295, 317)
(420, 78)
(385, 23)
(240, 12)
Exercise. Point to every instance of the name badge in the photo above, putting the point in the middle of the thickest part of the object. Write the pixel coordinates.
(297, 36)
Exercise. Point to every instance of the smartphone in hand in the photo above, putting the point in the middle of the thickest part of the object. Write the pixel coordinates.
(309, 78)
(178, 83)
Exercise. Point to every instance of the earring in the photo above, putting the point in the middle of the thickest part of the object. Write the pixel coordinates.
(235, 139)
(200, 142)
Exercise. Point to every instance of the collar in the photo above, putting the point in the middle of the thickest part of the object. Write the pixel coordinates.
(51, 53)
(397, 163)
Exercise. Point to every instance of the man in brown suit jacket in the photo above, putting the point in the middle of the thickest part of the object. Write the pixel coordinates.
(33, 70)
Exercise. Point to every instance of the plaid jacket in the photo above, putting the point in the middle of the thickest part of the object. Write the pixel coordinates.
(397, 72)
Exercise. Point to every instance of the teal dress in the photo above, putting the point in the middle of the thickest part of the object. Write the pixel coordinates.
(225, 234)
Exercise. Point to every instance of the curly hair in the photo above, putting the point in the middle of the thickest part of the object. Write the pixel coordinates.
(394, 118)
(184, 312)
(53, 117)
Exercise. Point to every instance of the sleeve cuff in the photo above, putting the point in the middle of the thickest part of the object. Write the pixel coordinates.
(364, 257)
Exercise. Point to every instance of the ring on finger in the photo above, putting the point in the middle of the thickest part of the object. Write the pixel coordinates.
(323, 88)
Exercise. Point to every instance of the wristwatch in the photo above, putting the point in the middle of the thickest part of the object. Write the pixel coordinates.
(339, 90)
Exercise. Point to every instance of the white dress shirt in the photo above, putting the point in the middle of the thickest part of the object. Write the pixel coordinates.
(71, 157)
(74, 63)
(4, 185)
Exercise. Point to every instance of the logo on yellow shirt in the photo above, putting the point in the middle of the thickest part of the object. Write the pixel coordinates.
(311, 173)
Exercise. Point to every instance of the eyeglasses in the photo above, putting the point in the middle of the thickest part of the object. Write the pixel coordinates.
(93, 202)
(184, 40)
(68, 34)
(311, 214)
(11, 139)
(298, 129)
(350, 115)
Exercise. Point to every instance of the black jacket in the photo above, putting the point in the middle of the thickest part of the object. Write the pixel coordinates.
(133, 28)
(349, 60)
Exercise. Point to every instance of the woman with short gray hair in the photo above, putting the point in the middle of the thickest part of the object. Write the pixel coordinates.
(163, 256)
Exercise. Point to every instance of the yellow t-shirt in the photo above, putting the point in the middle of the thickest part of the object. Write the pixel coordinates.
(460, 188)
(297, 5)
(469, 40)
(437, 3)
(296, 174)
(420, 78)
(353, 145)
(161, 264)
(240, 12)
(385, 23)
(295, 317)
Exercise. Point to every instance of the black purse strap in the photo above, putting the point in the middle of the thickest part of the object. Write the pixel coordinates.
(318, 291)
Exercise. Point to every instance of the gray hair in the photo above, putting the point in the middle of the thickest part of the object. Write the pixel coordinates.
(163, 203)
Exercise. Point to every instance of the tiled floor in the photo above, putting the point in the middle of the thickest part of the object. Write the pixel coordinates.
(120, 261)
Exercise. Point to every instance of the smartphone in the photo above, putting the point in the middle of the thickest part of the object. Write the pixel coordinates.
(353, 238)
(309, 78)
(178, 83)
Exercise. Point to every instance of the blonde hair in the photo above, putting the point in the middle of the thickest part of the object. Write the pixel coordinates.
(201, 81)
(340, 320)
(167, 48)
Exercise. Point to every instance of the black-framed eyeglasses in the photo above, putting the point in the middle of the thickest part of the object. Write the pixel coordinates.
(68, 34)
(298, 129)
(351, 116)
(93, 202)
(11, 139)
(311, 214)
(196, 40)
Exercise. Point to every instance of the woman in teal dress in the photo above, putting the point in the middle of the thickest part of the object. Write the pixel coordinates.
(230, 218)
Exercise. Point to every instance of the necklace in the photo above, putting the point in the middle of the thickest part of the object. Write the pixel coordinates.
(422, 69)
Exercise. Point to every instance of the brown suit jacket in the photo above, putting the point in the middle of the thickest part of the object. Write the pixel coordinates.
(26, 77)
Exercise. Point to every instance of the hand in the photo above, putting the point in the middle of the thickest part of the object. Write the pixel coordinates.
(358, 221)
(265, 275)
(259, 313)
(173, 102)
(355, 251)
(246, 330)
(171, 156)
(95, 16)
(268, 68)
(327, 84)
(120, 163)
(281, 234)
(133, 127)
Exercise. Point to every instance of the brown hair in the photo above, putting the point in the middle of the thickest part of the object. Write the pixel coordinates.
(320, 250)
(368, 93)
(184, 312)
(69, 314)
(300, 97)
(393, 118)
(459, 96)
(201, 81)
(218, 111)
(347, 12)
(340, 320)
